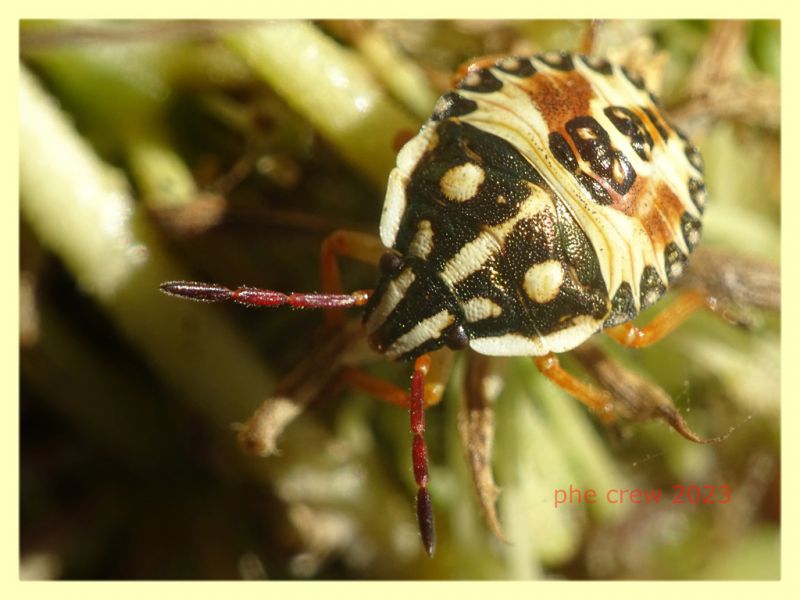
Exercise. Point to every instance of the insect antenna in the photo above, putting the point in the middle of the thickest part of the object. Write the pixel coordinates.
(248, 296)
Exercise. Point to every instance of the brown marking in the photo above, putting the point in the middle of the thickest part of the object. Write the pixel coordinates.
(653, 127)
(627, 203)
(660, 215)
(559, 96)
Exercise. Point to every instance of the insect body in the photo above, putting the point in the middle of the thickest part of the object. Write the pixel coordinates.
(545, 199)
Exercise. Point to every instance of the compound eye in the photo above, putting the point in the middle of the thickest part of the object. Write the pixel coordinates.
(390, 262)
(456, 338)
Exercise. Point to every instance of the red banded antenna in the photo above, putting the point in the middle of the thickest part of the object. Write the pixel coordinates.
(211, 292)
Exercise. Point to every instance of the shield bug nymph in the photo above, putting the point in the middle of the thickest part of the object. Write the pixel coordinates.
(547, 198)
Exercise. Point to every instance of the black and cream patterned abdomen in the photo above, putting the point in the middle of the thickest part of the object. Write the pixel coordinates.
(545, 199)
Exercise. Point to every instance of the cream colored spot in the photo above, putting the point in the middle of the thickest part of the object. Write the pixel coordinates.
(395, 291)
(470, 258)
(510, 63)
(543, 281)
(618, 173)
(700, 197)
(422, 244)
(460, 183)
(515, 344)
(552, 56)
(693, 237)
(428, 329)
(676, 269)
(442, 105)
(651, 297)
(472, 79)
(478, 309)
(586, 133)
(393, 207)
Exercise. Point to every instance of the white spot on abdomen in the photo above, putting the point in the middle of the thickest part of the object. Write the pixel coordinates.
(461, 183)
(477, 309)
(676, 269)
(543, 281)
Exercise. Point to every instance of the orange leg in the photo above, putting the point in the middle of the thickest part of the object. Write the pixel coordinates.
(664, 323)
(353, 244)
(435, 380)
(597, 400)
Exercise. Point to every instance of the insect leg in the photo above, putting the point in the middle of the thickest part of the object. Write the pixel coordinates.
(353, 244)
(427, 385)
(589, 37)
(664, 323)
(598, 400)
(476, 427)
(435, 381)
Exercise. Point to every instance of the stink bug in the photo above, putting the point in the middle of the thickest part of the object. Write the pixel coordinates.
(547, 198)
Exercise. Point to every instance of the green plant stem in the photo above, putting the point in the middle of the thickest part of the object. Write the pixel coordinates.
(83, 211)
(332, 88)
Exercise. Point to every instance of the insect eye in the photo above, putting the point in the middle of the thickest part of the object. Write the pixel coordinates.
(390, 262)
(456, 338)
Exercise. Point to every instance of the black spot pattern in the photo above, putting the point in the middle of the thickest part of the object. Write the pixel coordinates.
(651, 288)
(549, 235)
(691, 229)
(451, 105)
(480, 80)
(634, 78)
(672, 256)
(599, 152)
(693, 156)
(563, 154)
(697, 192)
(597, 64)
(623, 308)
(630, 125)
(584, 148)
(517, 66)
(557, 60)
(507, 175)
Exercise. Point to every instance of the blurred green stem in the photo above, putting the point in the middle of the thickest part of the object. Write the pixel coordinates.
(83, 211)
(332, 88)
(119, 92)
